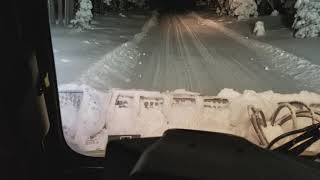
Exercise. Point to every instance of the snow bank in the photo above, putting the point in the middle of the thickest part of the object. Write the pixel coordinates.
(307, 19)
(88, 123)
(300, 69)
(243, 9)
(116, 67)
(152, 22)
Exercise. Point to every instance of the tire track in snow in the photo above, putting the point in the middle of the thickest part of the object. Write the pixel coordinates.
(184, 52)
(186, 55)
(300, 69)
(218, 66)
(207, 58)
(162, 71)
(240, 69)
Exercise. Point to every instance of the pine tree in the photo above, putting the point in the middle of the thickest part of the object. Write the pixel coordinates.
(83, 15)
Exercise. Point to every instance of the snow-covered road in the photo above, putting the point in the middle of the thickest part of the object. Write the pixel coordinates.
(183, 53)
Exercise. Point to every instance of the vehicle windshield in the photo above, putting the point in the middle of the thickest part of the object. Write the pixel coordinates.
(135, 68)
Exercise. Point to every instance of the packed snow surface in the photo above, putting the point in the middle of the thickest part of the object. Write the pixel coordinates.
(186, 53)
(301, 69)
(92, 116)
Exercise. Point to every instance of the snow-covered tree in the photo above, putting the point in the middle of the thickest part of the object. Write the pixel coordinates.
(122, 5)
(307, 19)
(108, 2)
(274, 13)
(243, 9)
(138, 3)
(299, 3)
(222, 7)
(83, 15)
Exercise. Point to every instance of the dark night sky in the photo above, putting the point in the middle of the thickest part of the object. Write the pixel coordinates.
(172, 4)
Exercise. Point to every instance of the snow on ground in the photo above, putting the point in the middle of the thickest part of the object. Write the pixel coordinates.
(76, 51)
(182, 53)
(116, 68)
(95, 115)
(279, 35)
(301, 69)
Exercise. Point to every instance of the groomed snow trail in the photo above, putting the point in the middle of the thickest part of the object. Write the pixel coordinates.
(183, 53)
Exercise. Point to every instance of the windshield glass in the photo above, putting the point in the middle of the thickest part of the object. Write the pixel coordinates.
(135, 68)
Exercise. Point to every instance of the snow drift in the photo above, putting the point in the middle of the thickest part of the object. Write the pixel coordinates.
(116, 67)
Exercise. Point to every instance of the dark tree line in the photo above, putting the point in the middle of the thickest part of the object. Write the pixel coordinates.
(61, 11)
